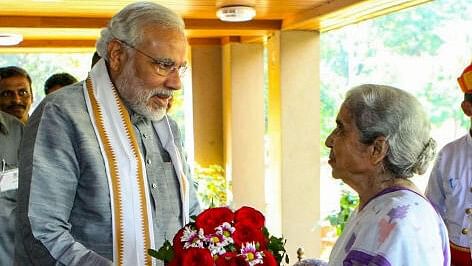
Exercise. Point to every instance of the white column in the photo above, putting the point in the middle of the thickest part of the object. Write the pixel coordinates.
(243, 108)
(300, 140)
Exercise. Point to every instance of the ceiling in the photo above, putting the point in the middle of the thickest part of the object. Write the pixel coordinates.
(76, 23)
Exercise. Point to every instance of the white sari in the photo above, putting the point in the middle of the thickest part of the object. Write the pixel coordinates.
(396, 227)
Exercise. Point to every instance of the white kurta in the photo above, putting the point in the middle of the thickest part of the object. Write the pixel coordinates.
(396, 227)
(450, 189)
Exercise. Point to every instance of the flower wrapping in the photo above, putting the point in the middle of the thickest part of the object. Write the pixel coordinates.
(221, 237)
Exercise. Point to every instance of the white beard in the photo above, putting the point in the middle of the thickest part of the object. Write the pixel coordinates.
(137, 97)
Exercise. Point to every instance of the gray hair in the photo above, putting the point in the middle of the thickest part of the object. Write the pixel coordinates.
(128, 24)
(380, 110)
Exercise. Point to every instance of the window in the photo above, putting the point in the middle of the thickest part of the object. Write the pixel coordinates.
(422, 49)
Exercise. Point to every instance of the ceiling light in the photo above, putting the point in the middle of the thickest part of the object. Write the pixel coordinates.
(7, 39)
(236, 13)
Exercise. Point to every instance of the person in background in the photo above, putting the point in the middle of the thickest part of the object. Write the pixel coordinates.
(381, 140)
(103, 174)
(57, 81)
(449, 188)
(11, 130)
(16, 95)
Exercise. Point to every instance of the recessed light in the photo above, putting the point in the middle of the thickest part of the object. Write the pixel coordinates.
(7, 39)
(236, 13)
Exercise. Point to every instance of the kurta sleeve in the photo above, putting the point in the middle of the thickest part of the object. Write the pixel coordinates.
(49, 175)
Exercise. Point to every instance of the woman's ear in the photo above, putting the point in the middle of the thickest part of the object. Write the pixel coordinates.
(467, 108)
(379, 149)
(116, 55)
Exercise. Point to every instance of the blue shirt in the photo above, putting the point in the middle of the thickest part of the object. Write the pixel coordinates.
(11, 130)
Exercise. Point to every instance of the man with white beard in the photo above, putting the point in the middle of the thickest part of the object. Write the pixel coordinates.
(103, 176)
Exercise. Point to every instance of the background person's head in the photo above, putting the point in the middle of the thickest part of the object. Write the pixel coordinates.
(57, 81)
(391, 122)
(465, 83)
(16, 95)
(144, 47)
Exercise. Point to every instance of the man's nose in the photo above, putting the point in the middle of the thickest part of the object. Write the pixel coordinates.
(173, 81)
(16, 98)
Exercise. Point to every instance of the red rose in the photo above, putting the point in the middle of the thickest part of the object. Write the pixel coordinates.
(269, 259)
(231, 259)
(197, 257)
(246, 233)
(177, 242)
(249, 215)
(176, 261)
(241, 261)
(211, 218)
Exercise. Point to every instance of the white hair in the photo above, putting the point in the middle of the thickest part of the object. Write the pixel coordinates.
(380, 110)
(128, 24)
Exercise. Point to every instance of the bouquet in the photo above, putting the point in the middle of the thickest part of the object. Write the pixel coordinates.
(219, 237)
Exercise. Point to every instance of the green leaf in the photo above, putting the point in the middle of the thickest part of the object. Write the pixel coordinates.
(277, 246)
(165, 253)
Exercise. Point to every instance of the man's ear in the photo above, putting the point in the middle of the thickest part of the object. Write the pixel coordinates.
(467, 108)
(116, 55)
(379, 149)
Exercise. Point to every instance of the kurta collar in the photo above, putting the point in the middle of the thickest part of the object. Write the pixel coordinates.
(3, 125)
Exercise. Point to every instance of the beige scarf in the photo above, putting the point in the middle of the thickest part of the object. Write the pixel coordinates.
(131, 211)
(130, 203)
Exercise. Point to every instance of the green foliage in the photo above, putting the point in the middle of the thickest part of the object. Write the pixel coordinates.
(442, 108)
(177, 111)
(277, 246)
(347, 204)
(40, 66)
(410, 32)
(328, 111)
(412, 49)
(212, 185)
(165, 253)
(333, 52)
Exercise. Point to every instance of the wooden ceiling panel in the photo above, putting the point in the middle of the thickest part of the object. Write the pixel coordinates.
(60, 22)
(267, 9)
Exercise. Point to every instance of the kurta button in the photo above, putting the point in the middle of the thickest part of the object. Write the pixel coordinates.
(468, 211)
(154, 185)
(465, 231)
(145, 136)
(148, 161)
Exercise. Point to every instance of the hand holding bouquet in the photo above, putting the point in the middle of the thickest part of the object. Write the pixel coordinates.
(221, 237)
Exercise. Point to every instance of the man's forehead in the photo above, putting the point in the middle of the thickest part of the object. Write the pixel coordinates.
(159, 34)
(14, 82)
(173, 47)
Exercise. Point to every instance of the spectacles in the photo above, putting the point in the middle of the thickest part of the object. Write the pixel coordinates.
(163, 66)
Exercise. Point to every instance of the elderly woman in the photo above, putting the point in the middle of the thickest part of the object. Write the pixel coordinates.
(381, 140)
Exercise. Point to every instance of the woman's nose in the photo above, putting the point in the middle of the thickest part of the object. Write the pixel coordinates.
(329, 140)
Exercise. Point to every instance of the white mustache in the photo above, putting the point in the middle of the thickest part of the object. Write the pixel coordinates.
(164, 93)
